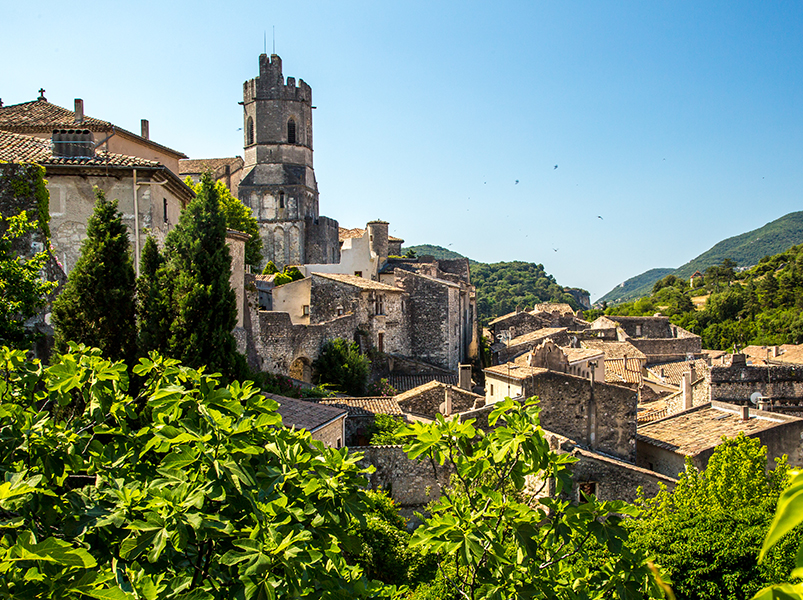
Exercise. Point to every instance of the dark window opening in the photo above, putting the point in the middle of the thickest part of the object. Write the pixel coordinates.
(587, 488)
(164, 208)
(250, 130)
(291, 132)
(380, 342)
(281, 199)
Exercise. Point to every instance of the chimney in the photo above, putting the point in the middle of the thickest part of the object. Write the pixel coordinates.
(745, 413)
(465, 378)
(693, 372)
(446, 407)
(79, 111)
(688, 399)
(775, 352)
(145, 129)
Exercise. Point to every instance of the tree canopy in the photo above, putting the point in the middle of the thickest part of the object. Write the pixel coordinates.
(706, 533)
(238, 217)
(97, 306)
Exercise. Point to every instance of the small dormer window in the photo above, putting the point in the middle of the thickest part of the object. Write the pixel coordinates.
(250, 131)
(291, 131)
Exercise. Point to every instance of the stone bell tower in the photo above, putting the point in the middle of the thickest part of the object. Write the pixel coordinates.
(279, 180)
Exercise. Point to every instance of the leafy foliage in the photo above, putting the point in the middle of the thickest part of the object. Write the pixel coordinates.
(502, 287)
(197, 279)
(707, 533)
(381, 388)
(387, 430)
(97, 305)
(270, 268)
(287, 275)
(22, 291)
(341, 365)
(238, 217)
(153, 301)
(190, 490)
(494, 539)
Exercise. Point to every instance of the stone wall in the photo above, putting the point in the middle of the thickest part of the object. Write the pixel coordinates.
(409, 482)
(735, 383)
(518, 324)
(332, 434)
(602, 417)
(431, 314)
(668, 349)
(437, 397)
(323, 241)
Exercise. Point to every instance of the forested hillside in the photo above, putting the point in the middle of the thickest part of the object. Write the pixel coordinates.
(759, 306)
(504, 286)
(745, 250)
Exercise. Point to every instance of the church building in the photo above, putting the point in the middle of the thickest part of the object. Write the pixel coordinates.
(278, 181)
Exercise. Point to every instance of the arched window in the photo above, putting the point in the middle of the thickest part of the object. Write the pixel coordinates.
(291, 131)
(281, 199)
(250, 127)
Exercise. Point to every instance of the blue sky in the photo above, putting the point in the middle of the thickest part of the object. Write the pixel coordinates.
(678, 123)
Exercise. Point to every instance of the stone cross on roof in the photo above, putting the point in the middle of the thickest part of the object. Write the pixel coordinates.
(42, 94)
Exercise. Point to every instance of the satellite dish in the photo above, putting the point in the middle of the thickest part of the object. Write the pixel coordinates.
(755, 397)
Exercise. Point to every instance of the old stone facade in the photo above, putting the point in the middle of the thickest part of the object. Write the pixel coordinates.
(150, 196)
(278, 181)
(658, 338)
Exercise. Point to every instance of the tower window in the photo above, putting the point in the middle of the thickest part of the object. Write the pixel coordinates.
(250, 130)
(164, 208)
(291, 132)
(281, 199)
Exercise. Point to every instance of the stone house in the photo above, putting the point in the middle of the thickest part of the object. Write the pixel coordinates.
(508, 349)
(600, 416)
(787, 354)
(656, 337)
(433, 398)
(664, 444)
(326, 424)
(72, 132)
(583, 362)
(149, 194)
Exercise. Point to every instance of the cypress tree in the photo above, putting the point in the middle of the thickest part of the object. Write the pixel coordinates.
(199, 271)
(96, 307)
(153, 301)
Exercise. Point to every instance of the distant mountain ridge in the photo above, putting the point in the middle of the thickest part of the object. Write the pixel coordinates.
(746, 249)
(431, 250)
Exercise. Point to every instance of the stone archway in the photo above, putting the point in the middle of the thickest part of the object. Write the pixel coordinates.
(301, 369)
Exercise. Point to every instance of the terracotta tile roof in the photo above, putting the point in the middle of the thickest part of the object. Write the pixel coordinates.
(346, 234)
(305, 415)
(623, 370)
(360, 282)
(787, 353)
(372, 405)
(615, 349)
(514, 371)
(536, 335)
(577, 354)
(700, 428)
(402, 382)
(16, 147)
(550, 307)
(672, 372)
(504, 317)
(199, 165)
(42, 116)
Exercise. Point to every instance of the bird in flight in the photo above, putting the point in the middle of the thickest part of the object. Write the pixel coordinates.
(600, 217)
(556, 249)
(556, 166)
(517, 182)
